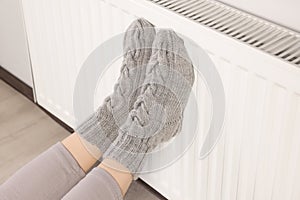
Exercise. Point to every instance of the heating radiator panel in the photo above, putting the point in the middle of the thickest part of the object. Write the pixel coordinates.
(257, 157)
(261, 34)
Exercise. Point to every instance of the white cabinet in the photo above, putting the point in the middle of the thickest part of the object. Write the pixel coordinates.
(14, 56)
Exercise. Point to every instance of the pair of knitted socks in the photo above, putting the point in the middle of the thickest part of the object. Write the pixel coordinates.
(146, 107)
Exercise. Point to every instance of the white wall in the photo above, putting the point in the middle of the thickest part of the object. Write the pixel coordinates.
(284, 12)
(14, 55)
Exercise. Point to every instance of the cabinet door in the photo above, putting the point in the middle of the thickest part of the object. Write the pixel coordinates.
(14, 56)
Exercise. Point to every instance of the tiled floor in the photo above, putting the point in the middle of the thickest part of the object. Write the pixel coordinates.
(26, 131)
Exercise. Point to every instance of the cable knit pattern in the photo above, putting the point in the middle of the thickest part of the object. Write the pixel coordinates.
(101, 128)
(158, 112)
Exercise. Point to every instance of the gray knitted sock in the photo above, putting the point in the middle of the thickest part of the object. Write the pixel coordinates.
(158, 111)
(101, 128)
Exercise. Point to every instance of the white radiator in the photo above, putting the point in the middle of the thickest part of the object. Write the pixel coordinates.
(258, 155)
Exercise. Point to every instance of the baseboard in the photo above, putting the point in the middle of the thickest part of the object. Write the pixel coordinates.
(16, 83)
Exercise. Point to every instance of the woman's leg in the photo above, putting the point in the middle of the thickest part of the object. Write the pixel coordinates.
(120, 173)
(109, 181)
(76, 146)
(50, 175)
(139, 135)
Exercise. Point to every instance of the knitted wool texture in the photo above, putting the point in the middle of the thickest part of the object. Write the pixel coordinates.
(158, 112)
(101, 128)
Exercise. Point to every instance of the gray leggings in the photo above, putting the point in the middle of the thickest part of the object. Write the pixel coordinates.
(55, 175)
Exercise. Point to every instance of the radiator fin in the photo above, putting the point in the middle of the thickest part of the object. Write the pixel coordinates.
(266, 36)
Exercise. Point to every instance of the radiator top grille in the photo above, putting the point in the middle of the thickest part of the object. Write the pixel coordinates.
(259, 33)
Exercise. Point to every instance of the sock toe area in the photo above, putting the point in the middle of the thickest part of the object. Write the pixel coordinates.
(139, 35)
(167, 39)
